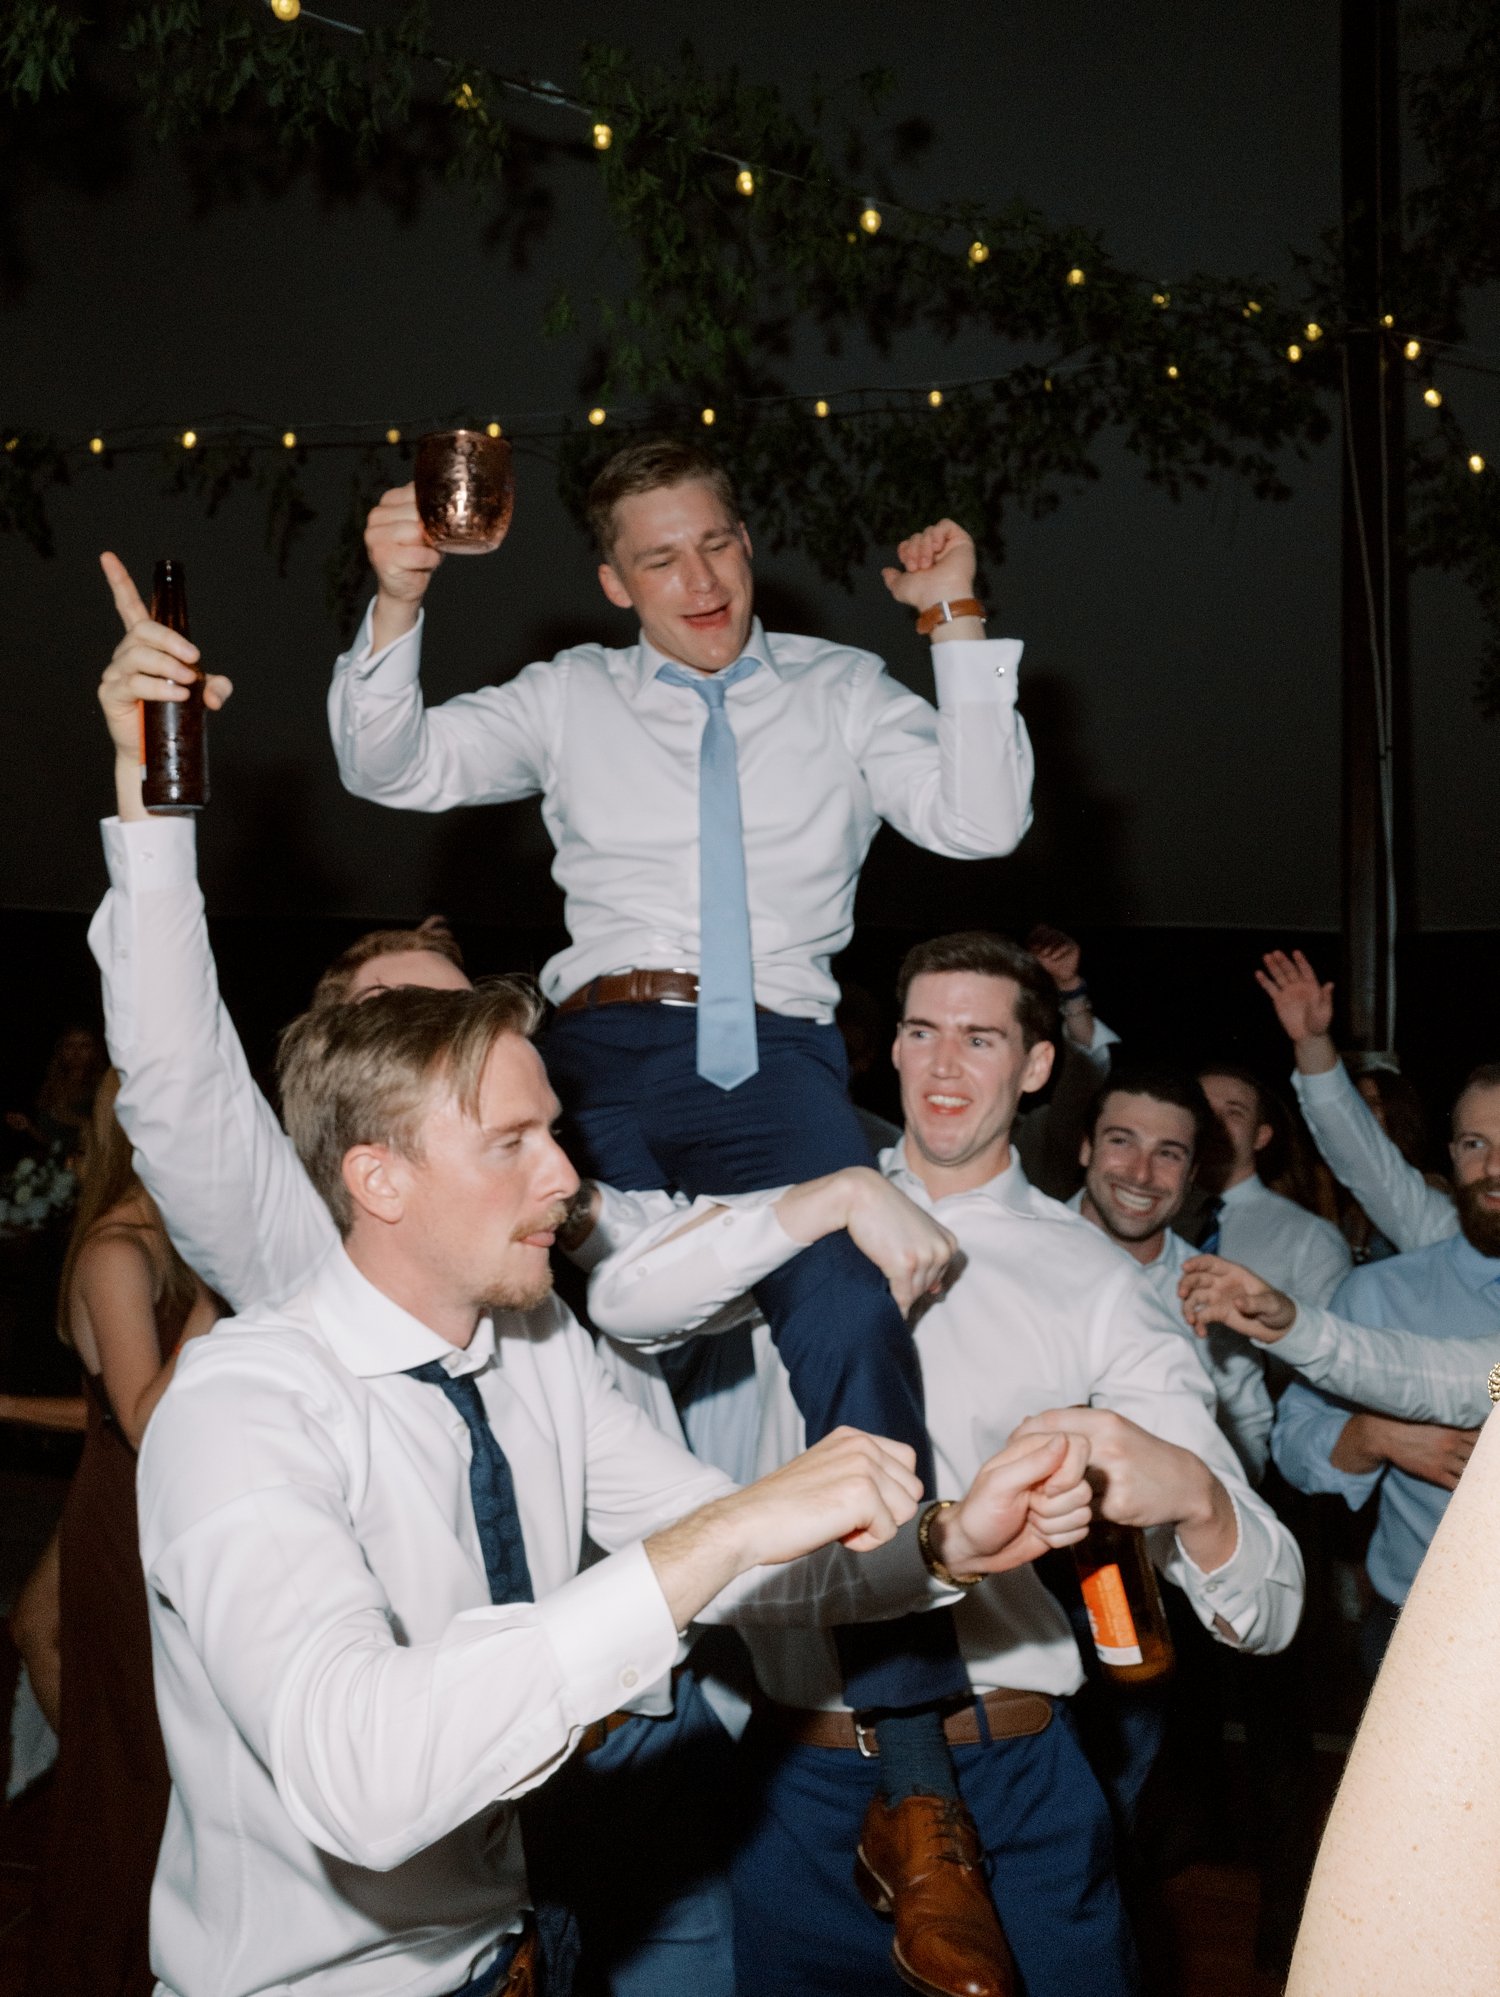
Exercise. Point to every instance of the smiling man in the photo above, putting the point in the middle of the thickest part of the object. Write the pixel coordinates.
(712, 790)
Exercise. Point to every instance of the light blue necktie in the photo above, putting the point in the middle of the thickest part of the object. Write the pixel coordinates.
(727, 1052)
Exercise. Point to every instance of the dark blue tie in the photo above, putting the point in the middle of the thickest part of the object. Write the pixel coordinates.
(493, 1492)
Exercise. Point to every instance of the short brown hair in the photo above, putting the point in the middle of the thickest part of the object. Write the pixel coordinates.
(433, 935)
(646, 466)
(991, 956)
(364, 1074)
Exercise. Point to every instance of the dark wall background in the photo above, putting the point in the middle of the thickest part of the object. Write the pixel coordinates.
(1181, 668)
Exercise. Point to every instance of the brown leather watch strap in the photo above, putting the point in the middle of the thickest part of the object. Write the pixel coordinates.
(945, 613)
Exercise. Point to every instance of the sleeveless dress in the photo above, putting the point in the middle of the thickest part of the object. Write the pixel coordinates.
(90, 1913)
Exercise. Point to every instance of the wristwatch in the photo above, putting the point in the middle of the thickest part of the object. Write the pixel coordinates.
(945, 612)
(930, 1560)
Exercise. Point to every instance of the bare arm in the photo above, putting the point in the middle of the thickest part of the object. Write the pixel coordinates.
(116, 1291)
(1403, 1894)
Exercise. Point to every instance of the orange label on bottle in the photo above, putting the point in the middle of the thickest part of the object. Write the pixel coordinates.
(1110, 1620)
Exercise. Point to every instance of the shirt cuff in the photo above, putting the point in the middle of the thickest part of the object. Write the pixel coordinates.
(972, 671)
(394, 665)
(150, 853)
(1331, 1086)
(746, 1242)
(611, 1632)
(1233, 1592)
(1312, 1336)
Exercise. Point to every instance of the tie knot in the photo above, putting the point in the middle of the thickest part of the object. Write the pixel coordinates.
(711, 686)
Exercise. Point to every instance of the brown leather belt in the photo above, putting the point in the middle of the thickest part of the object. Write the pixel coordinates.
(597, 1732)
(636, 988)
(523, 1979)
(1009, 1715)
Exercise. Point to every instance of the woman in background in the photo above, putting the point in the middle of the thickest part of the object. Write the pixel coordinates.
(126, 1304)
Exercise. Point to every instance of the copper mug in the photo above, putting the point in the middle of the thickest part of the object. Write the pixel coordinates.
(465, 491)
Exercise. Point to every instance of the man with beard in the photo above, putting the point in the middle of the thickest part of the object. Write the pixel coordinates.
(1449, 1289)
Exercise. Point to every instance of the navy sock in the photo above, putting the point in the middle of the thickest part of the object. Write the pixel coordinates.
(914, 1758)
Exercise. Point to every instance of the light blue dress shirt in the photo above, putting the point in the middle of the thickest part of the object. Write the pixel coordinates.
(1447, 1290)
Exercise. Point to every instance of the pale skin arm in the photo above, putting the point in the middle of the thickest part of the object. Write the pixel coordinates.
(1403, 1896)
(1304, 1006)
(36, 1628)
(149, 663)
(860, 1489)
(116, 1292)
(1061, 958)
(66, 1412)
(937, 566)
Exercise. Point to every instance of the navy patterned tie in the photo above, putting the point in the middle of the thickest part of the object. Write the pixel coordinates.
(492, 1490)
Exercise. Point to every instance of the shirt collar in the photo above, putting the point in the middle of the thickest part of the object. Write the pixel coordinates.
(1246, 1193)
(1075, 1205)
(372, 1335)
(1007, 1189)
(649, 662)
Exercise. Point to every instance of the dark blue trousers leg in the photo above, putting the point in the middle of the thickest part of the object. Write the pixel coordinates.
(801, 1925)
(638, 1115)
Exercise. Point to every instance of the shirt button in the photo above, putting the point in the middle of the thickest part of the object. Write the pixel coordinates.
(629, 1677)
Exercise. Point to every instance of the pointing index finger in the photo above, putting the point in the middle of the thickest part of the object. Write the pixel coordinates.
(127, 597)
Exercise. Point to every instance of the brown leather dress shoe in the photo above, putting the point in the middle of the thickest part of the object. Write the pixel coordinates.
(921, 1861)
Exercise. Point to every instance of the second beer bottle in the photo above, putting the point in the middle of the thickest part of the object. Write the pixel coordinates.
(1125, 1610)
(174, 733)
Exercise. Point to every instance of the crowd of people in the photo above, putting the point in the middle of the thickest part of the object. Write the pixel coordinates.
(409, 1630)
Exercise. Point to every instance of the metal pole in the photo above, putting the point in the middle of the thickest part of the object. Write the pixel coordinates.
(1376, 677)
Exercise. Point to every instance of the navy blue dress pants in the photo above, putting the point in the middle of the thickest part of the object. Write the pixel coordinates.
(800, 1924)
(639, 1116)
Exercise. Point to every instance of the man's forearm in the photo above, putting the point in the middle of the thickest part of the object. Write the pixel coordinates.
(1358, 1450)
(1316, 1054)
(697, 1558)
(129, 799)
(392, 619)
(1209, 1534)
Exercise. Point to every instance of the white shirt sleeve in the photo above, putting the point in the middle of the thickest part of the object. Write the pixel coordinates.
(1357, 1151)
(378, 1748)
(1145, 1371)
(208, 1146)
(675, 1278)
(1246, 1410)
(481, 748)
(961, 787)
(1393, 1372)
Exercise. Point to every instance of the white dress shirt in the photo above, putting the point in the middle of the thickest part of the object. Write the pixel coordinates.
(1360, 1155)
(1294, 1250)
(1393, 1371)
(347, 1716)
(1245, 1408)
(1046, 1313)
(827, 746)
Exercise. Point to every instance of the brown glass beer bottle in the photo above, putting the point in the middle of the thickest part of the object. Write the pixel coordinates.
(1124, 1604)
(174, 733)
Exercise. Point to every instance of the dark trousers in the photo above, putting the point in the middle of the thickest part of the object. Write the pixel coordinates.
(800, 1924)
(640, 1116)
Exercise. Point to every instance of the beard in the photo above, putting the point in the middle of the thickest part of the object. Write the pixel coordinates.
(515, 1292)
(1480, 1223)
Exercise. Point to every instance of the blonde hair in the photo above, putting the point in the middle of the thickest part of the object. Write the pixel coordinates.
(647, 465)
(365, 1074)
(106, 1179)
(433, 936)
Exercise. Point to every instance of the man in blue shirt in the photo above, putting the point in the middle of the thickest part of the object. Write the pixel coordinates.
(1450, 1289)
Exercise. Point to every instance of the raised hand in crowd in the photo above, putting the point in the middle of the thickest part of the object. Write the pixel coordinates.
(149, 663)
(403, 560)
(1304, 1006)
(1141, 1480)
(937, 566)
(1061, 957)
(1215, 1290)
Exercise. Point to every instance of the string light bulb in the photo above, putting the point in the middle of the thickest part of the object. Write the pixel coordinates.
(604, 137)
(1047, 383)
(744, 182)
(1312, 332)
(493, 430)
(979, 252)
(820, 407)
(1413, 350)
(96, 445)
(934, 398)
(870, 218)
(393, 435)
(1476, 463)
(1294, 352)
(189, 439)
(1076, 276)
(1172, 370)
(464, 97)
(1433, 397)
(1251, 309)
(1387, 319)
(286, 10)
(11, 443)
(1162, 298)
(708, 417)
(596, 416)
(289, 439)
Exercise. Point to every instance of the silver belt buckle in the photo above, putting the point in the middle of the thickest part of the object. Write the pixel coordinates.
(864, 1740)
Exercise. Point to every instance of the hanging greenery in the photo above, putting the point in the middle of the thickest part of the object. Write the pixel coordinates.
(757, 240)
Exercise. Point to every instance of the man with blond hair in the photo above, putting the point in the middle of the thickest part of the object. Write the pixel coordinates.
(362, 1513)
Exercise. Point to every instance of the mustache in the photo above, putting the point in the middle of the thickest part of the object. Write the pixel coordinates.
(548, 1222)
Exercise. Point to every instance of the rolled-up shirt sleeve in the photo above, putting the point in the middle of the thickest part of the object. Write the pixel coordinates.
(957, 782)
(1257, 1593)
(1391, 1371)
(481, 748)
(1306, 1432)
(1362, 1157)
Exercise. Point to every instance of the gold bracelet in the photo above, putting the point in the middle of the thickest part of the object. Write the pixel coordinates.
(1494, 1384)
(930, 1560)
